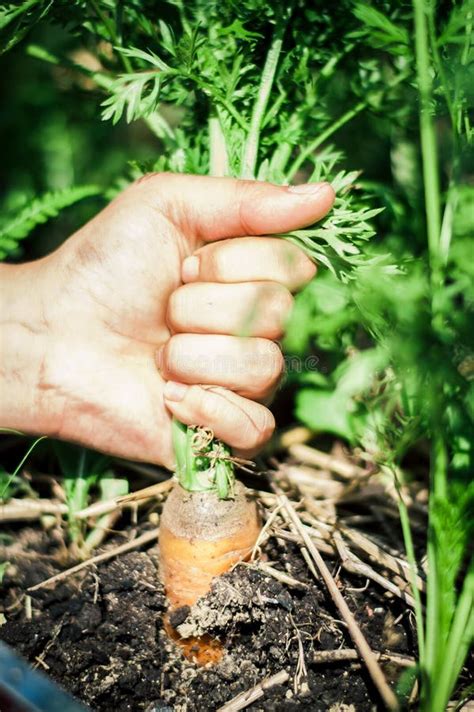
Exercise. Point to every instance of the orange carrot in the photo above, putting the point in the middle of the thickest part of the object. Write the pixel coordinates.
(202, 536)
(209, 523)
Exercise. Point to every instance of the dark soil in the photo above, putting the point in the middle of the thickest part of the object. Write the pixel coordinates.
(100, 633)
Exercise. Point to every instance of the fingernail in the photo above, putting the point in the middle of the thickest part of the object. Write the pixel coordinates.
(174, 391)
(306, 188)
(190, 268)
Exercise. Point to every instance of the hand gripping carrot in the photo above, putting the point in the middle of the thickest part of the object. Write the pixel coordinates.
(210, 521)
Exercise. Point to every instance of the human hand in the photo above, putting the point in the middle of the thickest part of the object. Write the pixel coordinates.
(88, 325)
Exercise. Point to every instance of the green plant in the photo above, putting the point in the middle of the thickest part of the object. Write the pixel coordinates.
(83, 470)
(3, 567)
(11, 484)
(450, 612)
(22, 222)
(417, 381)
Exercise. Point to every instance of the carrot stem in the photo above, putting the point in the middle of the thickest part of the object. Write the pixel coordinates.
(179, 445)
(205, 466)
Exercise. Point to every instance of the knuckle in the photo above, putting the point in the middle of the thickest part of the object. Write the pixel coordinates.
(270, 365)
(308, 269)
(296, 266)
(277, 303)
(276, 360)
(283, 308)
(264, 426)
(284, 301)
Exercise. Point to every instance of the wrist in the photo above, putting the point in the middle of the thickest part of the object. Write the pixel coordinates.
(25, 403)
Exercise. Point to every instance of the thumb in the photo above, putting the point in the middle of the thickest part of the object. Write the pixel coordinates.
(209, 208)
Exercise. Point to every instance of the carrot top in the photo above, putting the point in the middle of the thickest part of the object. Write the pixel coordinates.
(203, 464)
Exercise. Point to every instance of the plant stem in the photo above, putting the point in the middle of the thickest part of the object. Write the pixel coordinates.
(435, 634)
(77, 487)
(278, 162)
(24, 7)
(432, 615)
(218, 159)
(458, 643)
(435, 660)
(447, 225)
(467, 38)
(438, 63)
(102, 80)
(429, 148)
(111, 31)
(159, 126)
(410, 551)
(344, 119)
(439, 463)
(209, 471)
(311, 147)
(249, 159)
(228, 106)
(185, 458)
(179, 446)
(328, 69)
(20, 464)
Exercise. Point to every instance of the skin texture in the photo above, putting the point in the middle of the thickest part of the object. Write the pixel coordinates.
(167, 302)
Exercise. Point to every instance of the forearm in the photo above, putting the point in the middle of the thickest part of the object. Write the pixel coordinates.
(24, 397)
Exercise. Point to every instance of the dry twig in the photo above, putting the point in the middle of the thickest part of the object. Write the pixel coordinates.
(354, 565)
(117, 551)
(328, 530)
(361, 644)
(263, 535)
(280, 576)
(319, 543)
(30, 509)
(321, 657)
(343, 468)
(394, 563)
(250, 696)
(127, 500)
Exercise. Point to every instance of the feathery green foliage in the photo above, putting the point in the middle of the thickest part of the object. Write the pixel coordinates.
(17, 20)
(38, 211)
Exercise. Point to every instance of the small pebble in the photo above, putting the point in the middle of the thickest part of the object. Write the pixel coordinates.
(304, 689)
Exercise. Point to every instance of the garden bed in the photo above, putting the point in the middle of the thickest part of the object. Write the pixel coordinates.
(99, 632)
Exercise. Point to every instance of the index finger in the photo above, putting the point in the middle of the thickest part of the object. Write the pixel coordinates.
(250, 259)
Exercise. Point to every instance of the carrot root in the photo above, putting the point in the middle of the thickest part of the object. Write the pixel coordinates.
(201, 537)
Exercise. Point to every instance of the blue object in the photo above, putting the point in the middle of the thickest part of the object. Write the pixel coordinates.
(23, 689)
